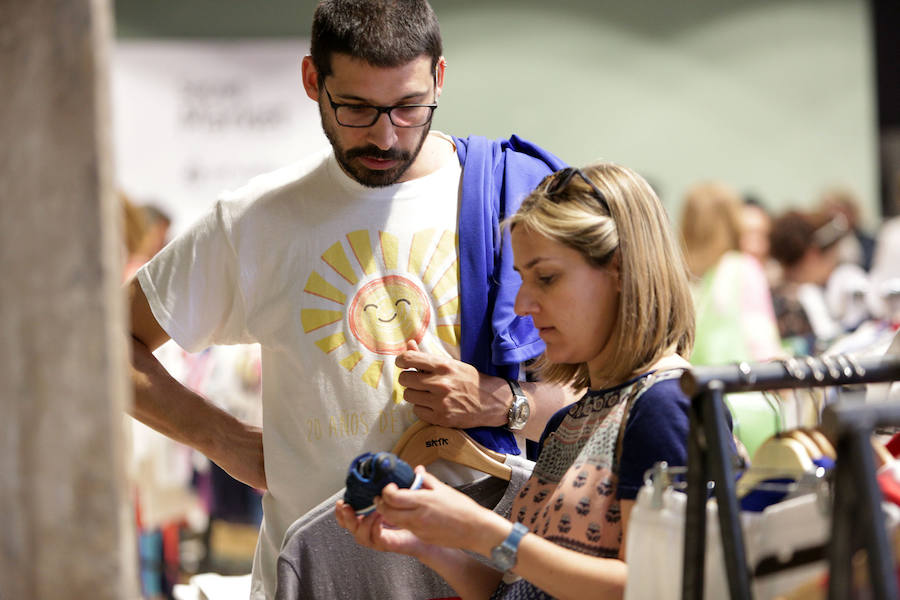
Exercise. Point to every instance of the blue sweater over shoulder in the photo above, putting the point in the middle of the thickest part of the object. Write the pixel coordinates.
(496, 177)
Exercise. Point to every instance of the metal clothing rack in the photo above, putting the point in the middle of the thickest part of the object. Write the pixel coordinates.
(856, 499)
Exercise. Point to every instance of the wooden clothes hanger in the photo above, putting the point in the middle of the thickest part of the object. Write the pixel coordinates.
(777, 457)
(812, 448)
(822, 442)
(883, 456)
(423, 443)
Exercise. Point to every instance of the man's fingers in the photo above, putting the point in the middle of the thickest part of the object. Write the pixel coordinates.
(425, 414)
(418, 380)
(414, 359)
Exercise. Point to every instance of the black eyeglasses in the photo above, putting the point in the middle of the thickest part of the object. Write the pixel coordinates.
(365, 115)
(558, 182)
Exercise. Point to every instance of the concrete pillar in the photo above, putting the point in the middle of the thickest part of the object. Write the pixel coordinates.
(66, 520)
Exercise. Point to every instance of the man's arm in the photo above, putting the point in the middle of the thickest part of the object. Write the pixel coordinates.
(452, 393)
(164, 404)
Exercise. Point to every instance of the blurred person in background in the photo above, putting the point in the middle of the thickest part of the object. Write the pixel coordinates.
(735, 316)
(756, 227)
(806, 247)
(874, 334)
(158, 224)
(847, 289)
(859, 247)
(134, 229)
(146, 231)
(884, 296)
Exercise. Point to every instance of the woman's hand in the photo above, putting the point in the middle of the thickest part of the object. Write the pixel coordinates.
(409, 521)
(432, 524)
(372, 532)
(439, 515)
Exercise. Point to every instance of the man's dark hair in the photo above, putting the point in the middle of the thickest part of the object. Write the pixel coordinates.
(384, 33)
(795, 232)
(791, 236)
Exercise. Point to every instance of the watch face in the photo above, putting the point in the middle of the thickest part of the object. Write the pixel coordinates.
(503, 557)
(519, 413)
(526, 410)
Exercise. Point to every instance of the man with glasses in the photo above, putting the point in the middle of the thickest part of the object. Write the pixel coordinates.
(374, 277)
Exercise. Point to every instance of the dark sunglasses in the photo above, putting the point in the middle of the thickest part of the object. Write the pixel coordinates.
(560, 180)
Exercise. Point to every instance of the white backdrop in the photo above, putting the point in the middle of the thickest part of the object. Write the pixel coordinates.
(194, 118)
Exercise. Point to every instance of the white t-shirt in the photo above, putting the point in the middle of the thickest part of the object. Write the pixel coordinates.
(330, 278)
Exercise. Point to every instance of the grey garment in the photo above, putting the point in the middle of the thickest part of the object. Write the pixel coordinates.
(321, 560)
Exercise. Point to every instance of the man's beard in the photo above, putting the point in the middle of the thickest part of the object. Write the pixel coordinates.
(372, 177)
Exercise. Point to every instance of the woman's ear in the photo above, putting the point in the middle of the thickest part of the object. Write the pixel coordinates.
(615, 267)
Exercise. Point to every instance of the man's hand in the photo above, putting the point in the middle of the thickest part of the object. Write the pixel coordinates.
(451, 393)
(240, 454)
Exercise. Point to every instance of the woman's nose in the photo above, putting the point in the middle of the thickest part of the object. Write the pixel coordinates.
(524, 304)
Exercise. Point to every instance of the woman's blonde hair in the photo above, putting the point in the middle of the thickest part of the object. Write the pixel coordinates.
(656, 312)
(710, 224)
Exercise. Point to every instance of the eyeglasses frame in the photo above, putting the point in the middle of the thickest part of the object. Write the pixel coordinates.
(380, 110)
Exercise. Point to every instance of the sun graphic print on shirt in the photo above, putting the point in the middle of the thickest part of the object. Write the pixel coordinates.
(366, 300)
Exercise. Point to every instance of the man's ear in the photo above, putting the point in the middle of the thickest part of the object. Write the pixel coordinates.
(310, 77)
(439, 76)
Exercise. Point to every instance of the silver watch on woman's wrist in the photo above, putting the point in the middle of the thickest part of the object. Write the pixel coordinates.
(504, 554)
(519, 410)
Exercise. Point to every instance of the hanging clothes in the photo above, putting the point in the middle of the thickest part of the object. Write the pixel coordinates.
(320, 559)
(796, 528)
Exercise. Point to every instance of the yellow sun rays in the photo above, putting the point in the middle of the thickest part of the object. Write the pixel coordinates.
(430, 259)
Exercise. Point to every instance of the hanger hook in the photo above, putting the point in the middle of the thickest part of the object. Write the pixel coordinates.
(815, 368)
(831, 365)
(857, 368)
(792, 366)
(845, 364)
(745, 371)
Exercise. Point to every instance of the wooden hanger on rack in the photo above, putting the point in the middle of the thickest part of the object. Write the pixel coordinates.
(883, 456)
(812, 448)
(779, 456)
(422, 444)
(822, 442)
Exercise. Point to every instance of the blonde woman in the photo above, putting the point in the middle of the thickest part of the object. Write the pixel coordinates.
(605, 284)
(735, 317)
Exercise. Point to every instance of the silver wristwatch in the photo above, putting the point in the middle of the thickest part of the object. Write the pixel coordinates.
(503, 555)
(519, 410)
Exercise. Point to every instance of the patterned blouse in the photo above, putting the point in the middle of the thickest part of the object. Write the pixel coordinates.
(572, 497)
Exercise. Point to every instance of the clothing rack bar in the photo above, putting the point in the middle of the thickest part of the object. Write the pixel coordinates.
(838, 370)
(851, 427)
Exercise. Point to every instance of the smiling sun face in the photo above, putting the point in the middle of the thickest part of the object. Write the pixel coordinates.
(368, 302)
(387, 312)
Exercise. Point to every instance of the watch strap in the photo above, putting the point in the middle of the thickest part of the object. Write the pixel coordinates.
(515, 408)
(509, 547)
(515, 387)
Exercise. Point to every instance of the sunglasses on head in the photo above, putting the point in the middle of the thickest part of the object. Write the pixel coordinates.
(560, 180)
